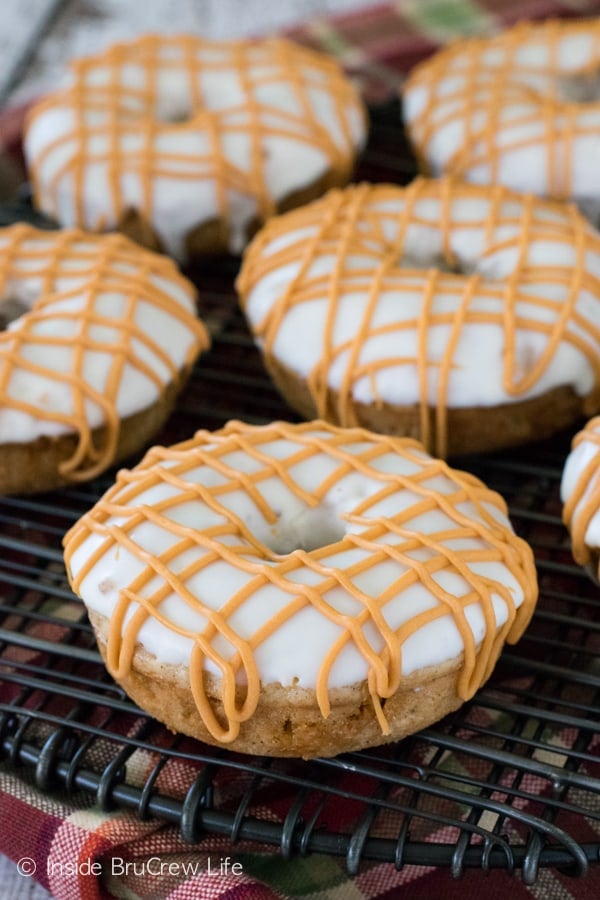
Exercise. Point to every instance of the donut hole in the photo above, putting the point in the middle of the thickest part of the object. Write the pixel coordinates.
(173, 108)
(453, 268)
(12, 307)
(174, 115)
(440, 263)
(580, 87)
(309, 529)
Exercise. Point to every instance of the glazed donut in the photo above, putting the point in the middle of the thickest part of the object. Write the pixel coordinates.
(299, 590)
(580, 493)
(188, 144)
(464, 316)
(99, 336)
(521, 108)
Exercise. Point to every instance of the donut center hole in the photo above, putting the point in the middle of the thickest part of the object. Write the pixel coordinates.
(581, 87)
(11, 308)
(173, 111)
(175, 118)
(309, 529)
(438, 262)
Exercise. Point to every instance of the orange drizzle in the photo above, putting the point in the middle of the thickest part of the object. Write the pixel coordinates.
(577, 518)
(132, 112)
(94, 265)
(348, 224)
(124, 503)
(485, 91)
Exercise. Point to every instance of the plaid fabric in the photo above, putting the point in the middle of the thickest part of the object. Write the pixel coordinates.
(79, 852)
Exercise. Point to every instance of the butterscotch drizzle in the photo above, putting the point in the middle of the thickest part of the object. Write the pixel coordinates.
(347, 227)
(120, 128)
(71, 265)
(583, 503)
(118, 518)
(505, 104)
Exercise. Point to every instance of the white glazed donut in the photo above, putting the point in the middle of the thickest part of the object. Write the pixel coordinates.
(300, 590)
(580, 493)
(521, 108)
(99, 337)
(465, 316)
(199, 140)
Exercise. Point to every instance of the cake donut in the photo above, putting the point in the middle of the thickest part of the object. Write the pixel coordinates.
(520, 108)
(188, 144)
(465, 316)
(98, 337)
(580, 493)
(299, 590)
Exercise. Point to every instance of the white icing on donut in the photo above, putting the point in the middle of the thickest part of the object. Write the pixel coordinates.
(521, 108)
(106, 327)
(115, 554)
(580, 490)
(186, 131)
(355, 289)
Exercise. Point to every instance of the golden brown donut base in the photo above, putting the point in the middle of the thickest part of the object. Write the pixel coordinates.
(211, 238)
(28, 468)
(469, 430)
(287, 721)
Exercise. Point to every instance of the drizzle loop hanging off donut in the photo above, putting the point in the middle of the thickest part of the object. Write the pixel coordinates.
(273, 587)
(465, 316)
(100, 337)
(521, 108)
(193, 140)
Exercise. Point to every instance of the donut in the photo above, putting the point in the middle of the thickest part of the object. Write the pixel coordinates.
(299, 589)
(520, 108)
(187, 144)
(462, 315)
(98, 336)
(580, 494)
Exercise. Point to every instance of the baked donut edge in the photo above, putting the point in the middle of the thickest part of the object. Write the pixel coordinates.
(469, 430)
(39, 465)
(287, 721)
(212, 236)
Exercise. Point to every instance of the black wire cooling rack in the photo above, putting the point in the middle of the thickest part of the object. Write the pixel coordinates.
(509, 781)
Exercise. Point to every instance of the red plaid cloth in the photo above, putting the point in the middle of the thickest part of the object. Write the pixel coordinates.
(79, 852)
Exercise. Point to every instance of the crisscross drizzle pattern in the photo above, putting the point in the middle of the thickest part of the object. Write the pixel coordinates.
(410, 524)
(521, 108)
(106, 326)
(185, 130)
(441, 294)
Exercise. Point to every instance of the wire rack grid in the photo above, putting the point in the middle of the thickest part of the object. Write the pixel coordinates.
(509, 781)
